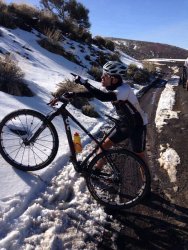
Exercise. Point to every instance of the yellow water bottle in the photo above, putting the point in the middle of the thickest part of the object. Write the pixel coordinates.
(77, 143)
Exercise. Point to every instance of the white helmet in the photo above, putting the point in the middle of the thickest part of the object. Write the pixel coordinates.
(115, 68)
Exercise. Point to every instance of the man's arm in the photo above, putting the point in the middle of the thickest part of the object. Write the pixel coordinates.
(94, 92)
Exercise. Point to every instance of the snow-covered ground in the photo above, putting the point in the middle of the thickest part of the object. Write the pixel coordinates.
(169, 159)
(50, 208)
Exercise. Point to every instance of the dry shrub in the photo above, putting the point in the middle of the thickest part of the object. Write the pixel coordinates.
(11, 78)
(141, 77)
(3, 6)
(150, 67)
(89, 111)
(114, 57)
(24, 10)
(96, 72)
(78, 102)
(46, 19)
(132, 68)
(67, 86)
(47, 16)
(6, 19)
(9, 71)
(53, 35)
(57, 49)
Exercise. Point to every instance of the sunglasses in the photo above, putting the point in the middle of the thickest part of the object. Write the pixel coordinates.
(105, 76)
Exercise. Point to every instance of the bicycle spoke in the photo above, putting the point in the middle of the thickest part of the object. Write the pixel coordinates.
(36, 143)
(17, 129)
(122, 180)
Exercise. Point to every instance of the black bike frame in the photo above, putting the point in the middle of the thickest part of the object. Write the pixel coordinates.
(66, 115)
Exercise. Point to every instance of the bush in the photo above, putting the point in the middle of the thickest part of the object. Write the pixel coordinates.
(26, 16)
(57, 49)
(24, 10)
(132, 68)
(89, 111)
(6, 18)
(99, 41)
(102, 58)
(96, 72)
(11, 78)
(150, 67)
(109, 45)
(87, 57)
(141, 76)
(113, 57)
(47, 19)
(78, 102)
(54, 36)
(67, 86)
(9, 71)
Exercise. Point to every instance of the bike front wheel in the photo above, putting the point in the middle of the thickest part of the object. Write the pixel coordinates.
(123, 180)
(15, 131)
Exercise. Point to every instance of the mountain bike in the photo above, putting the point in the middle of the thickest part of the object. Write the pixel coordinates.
(29, 142)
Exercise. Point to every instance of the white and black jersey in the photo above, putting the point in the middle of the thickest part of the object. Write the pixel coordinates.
(124, 100)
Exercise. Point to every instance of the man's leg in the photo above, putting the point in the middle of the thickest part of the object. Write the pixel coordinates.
(106, 145)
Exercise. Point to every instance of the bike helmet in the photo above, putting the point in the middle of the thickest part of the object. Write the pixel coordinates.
(115, 68)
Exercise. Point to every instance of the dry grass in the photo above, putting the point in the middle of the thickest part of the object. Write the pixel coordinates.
(53, 35)
(89, 111)
(96, 72)
(24, 9)
(47, 16)
(11, 78)
(9, 71)
(6, 19)
(68, 86)
(78, 102)
(149, 66)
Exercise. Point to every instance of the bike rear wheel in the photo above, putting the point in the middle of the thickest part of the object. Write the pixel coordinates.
(123, 180)
(16, 129)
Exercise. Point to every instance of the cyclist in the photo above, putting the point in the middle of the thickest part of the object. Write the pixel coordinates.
(132, 119)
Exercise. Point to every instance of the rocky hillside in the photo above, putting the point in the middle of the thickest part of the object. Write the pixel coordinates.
(147, 50)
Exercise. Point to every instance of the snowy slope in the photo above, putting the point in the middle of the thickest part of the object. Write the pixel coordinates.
(50, 208)
(19, 190)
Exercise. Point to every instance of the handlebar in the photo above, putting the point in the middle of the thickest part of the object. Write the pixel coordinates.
(116, 121)
(62, 99)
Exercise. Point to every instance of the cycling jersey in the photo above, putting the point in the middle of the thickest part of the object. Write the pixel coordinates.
(124, 100)
(132, 119)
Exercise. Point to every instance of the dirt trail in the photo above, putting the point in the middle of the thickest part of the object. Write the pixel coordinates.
(161, 221)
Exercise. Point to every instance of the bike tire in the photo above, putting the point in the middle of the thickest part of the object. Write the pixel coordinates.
(124, 191)
(19, 125)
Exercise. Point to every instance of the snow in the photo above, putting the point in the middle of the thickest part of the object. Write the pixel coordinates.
(165, 105)
(169, 159)
(50, 208)
(164, 60)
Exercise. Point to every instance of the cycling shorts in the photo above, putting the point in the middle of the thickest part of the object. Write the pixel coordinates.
(137, 137)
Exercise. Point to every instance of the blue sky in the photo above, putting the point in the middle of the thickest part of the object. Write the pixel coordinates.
(164, 21)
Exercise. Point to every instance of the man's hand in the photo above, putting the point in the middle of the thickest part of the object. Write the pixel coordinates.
(69, 95)
(80, 80)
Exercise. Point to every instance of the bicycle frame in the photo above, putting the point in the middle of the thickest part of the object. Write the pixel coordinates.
(79, 166)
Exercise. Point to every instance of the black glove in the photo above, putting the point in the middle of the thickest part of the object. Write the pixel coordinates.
(80, 80)
(69, 95)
